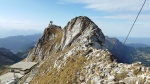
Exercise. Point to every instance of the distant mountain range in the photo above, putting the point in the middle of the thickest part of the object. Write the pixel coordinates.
(120, 51)
(135, 45)
(16, 48)
(16, 32)
(128, 53)
(18, 43)
(131, 52)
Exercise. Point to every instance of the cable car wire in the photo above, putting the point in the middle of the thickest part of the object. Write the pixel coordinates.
(134, 22)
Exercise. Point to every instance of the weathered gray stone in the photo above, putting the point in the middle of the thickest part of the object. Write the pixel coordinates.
(130, 80)
(111, 78)
(82, 78)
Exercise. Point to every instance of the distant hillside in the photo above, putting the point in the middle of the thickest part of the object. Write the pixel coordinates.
(128, 53)
(121, 52)
(23, 54)
(143, 55)
(17, 43)
(144, 50)
(135, 45)
(7, 57)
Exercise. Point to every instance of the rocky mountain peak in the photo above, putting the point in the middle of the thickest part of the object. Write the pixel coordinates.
(50, 33)
(50, 39)
(82, 30)
(73, 55)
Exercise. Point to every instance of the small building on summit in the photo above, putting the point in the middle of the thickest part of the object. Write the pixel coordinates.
(51, 22)
(22, 67)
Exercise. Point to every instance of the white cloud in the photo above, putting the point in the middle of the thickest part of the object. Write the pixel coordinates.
(112, 5)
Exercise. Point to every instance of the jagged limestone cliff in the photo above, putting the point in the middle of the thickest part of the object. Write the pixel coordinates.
(75, 55)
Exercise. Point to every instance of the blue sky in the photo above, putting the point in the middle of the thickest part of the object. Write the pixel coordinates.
(114, 17)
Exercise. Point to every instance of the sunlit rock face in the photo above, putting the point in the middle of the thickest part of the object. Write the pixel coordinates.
(81, 30)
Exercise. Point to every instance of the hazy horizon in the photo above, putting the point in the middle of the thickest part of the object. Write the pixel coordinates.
(31, 32)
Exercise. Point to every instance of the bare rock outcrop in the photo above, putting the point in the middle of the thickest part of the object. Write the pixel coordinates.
(49, 42)
(80, 30)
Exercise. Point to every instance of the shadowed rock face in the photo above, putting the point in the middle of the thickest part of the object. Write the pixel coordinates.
(121, 52)
(49, 42)
(80, 30)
